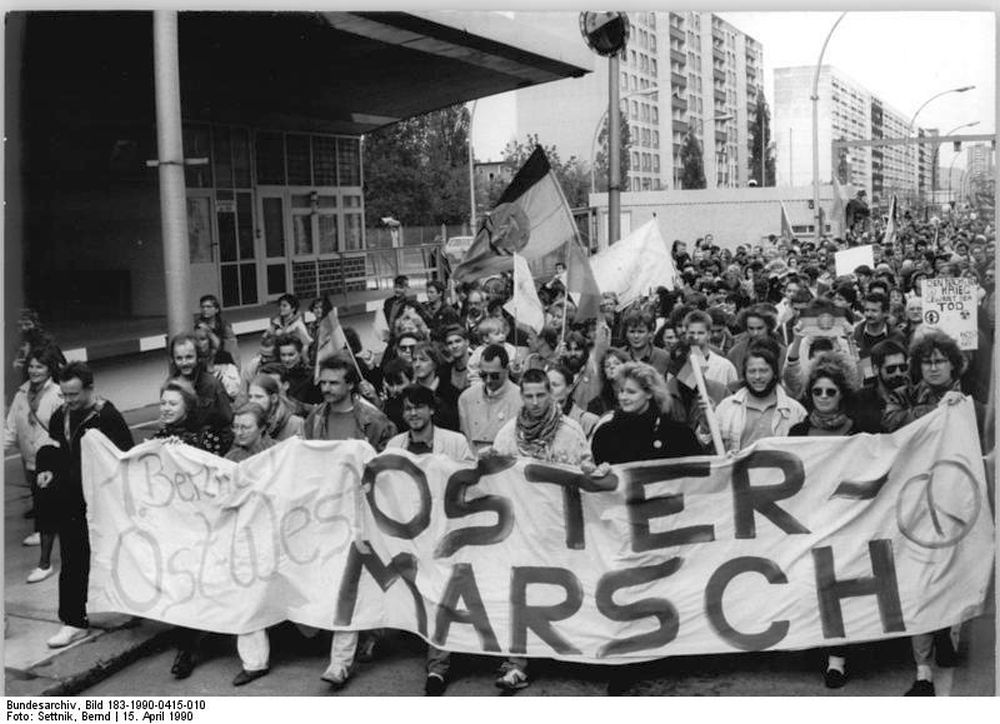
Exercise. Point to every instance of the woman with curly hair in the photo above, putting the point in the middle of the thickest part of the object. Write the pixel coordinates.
(640, 428)
(607, 401)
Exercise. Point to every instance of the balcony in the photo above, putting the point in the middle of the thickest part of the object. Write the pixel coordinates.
(678, 56)
(679, 103)
(720, 95)
(720, 135)
(719, 53)
(679, 127)
(676, 32)
(719, 74)
(679, 79)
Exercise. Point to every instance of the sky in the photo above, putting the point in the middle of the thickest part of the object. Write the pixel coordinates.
(902, 57)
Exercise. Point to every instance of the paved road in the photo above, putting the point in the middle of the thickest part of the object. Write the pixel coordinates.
(877, 669)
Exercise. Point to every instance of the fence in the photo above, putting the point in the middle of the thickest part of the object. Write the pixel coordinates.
(372, 269)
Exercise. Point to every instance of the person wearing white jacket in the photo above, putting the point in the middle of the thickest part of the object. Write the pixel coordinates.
(27, 428)
(761, 408)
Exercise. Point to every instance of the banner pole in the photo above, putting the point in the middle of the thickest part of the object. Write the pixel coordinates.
(695, 360)
(562, 337)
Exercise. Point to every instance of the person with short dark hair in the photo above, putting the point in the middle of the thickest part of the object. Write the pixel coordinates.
(872, 330)
(888, 359)
(639, 328)
(438, 313)
(213, 409)
(289, 320)
(393, 306)
(698, 330)
(488, 404)
(297, 372)
(82, 410)
(211, 316)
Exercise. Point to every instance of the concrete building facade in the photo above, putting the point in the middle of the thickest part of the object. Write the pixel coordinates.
(847, 111)
(685, 72)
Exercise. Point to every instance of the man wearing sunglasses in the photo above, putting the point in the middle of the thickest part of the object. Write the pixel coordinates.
(490, 403)
(888, 359)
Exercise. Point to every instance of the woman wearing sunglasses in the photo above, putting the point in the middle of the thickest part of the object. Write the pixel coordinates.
(829, 402)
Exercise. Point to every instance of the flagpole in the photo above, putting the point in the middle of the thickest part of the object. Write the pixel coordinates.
(695, 360)
(562, 337)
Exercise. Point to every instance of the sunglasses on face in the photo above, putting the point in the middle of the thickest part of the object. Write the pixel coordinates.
(407, 347)
(892, 369)
(825, 391)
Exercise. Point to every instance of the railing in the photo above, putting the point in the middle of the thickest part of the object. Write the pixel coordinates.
(365, 270)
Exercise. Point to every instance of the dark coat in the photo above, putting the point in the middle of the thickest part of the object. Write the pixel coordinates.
(649, 436)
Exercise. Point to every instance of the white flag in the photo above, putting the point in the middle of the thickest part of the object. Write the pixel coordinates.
(635, 265)
(525, 306)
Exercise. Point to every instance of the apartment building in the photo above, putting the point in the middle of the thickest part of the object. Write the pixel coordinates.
(681, 73)
(847, 111)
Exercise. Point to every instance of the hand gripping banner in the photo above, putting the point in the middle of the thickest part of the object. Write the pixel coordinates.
(793, 543)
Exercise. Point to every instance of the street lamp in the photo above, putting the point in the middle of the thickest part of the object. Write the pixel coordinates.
(472, 179)
(955, 157)
(909, 128)
(815, 126)
(597, 132)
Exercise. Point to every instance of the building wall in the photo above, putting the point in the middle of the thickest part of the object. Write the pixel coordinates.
(733, 216)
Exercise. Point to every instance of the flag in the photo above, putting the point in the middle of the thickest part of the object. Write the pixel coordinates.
(580, 283)
(786, 224)
(330, 339)
(525, 306)
(633, 266)
(841, 196)
(890, 225)
(531, 218)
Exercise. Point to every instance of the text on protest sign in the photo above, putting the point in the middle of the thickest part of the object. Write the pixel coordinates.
(949, 305)
(795, 543)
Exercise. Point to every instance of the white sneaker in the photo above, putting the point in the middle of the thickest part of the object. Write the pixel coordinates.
(337, 674)
(512, 678)
(40, 574)
(66, 636)
(35, 539)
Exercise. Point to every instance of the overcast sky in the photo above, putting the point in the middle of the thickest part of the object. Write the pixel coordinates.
(903, 57)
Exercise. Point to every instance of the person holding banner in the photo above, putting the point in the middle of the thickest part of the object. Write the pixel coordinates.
(280, 422)
(424, 437)
(561, 385)
(541, 432)
(641, 427)
(761, 408)
(213, 408)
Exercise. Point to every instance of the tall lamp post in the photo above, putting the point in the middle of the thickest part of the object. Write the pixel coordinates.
(955, 157)
(472, 178)
(909, 128)
(815, 126)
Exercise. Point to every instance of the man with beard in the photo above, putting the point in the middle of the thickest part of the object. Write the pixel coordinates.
(582, 362)
(639, 328)
(871, 331)
(475, 312)
(343, 417)
(540, 431)
(424, 437)
(761, 408)
(888, 358)
(214, 409)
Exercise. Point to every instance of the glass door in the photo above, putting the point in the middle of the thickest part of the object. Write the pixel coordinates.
(272, 213)
(237, 254)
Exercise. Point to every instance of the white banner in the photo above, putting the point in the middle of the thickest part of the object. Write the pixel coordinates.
(949, 305)
(847, 260)
(636, 265)
(794, 543)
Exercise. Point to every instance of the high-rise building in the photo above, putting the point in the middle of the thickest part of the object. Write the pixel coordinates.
(847, 111)
(979, 160)
(681, 73)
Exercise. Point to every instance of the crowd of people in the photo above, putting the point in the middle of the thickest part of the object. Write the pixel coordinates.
(460, 377)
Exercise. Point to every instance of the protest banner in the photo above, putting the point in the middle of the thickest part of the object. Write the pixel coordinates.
(848, 260)
(949, 305)
(793, 543)
(636, 265)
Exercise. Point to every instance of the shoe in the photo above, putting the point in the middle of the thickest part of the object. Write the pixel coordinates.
(40, 574)
(368, 648)
(245, 677)
(66, 636)
(834, 679)
(183, 665)
(35, 539)
(921, 688)
(434, 685)
(337, 674)
(512, 679)
(945, 655)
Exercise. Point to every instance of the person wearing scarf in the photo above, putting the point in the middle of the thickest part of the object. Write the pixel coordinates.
(540, 431)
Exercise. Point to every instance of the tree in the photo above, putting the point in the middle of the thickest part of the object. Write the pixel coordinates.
(762, 128)
(693, 168)
(601, 157)
(843, 164)
(416, 170)
(573, 174)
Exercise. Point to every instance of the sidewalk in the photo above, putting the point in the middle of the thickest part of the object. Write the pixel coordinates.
(31, 668)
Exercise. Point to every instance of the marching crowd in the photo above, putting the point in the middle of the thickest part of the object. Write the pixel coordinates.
(460, 377)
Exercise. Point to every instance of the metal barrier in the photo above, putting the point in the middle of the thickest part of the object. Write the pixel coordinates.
(370, 269)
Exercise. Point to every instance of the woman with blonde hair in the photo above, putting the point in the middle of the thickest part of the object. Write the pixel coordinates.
(640, 428)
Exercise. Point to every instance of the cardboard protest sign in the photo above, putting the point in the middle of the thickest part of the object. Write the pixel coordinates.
(793, 543)
(949, 305)
(850, 259)
(825, 320)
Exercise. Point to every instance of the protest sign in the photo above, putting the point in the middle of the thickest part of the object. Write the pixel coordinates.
(825, 320)
(949, 305)
(793, 543)
(850, 259)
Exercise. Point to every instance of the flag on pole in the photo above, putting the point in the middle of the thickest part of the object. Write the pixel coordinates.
(531, 218)
(639, 262)
(890, 225)
(580, 283)
(525, 306)
(786, 224)
(331, 340)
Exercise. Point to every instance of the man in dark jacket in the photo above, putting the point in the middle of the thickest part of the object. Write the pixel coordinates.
(60, 466)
